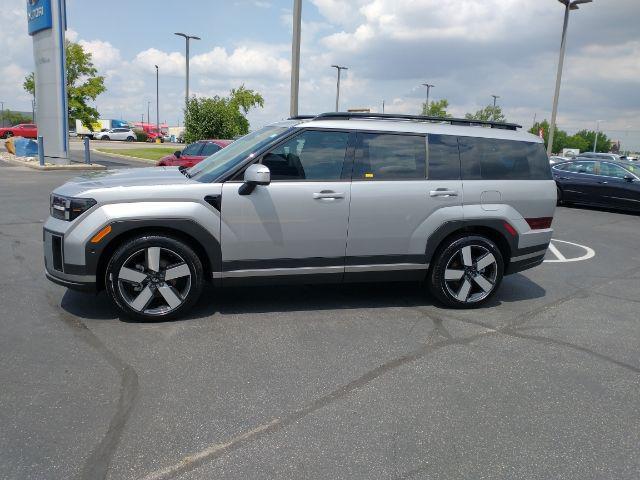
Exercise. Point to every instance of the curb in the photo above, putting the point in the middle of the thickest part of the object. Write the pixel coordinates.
(128, 157)
(37, 166)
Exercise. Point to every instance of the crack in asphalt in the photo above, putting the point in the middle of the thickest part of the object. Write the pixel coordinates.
(192, 462)
(97, 463)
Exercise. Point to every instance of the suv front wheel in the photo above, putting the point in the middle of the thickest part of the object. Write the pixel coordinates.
(466, 272)
(152, 278)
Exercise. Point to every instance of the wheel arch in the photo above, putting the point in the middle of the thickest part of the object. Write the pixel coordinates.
(206, 247)
(494, 230)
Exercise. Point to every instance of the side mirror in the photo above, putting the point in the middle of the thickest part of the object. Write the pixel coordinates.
(628, 178)
(254, 175)
(177, 153)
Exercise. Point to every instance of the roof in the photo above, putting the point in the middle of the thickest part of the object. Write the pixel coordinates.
(417, 124)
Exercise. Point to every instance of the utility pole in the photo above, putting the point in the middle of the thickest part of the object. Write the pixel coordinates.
(429, 87)
(2, 104)
(339, 68)
(295, 57)
(158, 100)
(382, 106)
(569, 5)
(186, 91)
(142, 120)
(148, 110)
(495, 98)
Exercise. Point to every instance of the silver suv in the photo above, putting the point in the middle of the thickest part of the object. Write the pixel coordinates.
(334, 198)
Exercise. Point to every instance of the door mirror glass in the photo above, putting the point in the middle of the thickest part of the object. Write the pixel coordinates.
(629, 178)
(177, 153)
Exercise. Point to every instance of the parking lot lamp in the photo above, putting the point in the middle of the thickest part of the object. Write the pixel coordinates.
(157, 100)
(595, 142)
(569, 5)
(295, 57)
(2, 109)
(429, 87)
(186, 91)
(339, 68)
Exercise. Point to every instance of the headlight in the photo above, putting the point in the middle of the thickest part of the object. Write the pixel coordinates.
(66, 208)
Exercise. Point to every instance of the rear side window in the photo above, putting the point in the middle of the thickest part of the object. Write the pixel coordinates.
(443, 158)
(192, 149)
(209, 149)
(495, 159)
(381, 156)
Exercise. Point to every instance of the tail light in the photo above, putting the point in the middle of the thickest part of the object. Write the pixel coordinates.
(539, 223)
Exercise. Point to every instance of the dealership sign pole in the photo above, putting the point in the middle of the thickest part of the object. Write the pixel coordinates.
(46, 20)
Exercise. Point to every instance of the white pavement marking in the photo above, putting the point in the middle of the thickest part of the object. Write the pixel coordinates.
(560, 258)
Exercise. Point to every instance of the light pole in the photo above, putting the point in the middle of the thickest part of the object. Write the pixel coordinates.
(339, 69)
(295, 57)
(148, 110)
(495, 98)
(569, 5)
(158, 100)
(186, 91)
(2, 104)
(595, 143)
(429, 87)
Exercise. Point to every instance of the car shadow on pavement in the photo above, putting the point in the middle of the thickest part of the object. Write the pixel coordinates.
(301, 298)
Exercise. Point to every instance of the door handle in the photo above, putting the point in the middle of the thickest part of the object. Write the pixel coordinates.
(443, 192)
(603, 182)
(327, 194)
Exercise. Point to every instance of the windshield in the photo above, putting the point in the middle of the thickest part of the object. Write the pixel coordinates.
(223, 160)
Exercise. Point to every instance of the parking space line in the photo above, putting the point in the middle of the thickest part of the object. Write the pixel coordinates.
(557, 253)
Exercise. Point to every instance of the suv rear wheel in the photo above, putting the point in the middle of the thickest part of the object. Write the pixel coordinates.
(466, 272)
(152, 278)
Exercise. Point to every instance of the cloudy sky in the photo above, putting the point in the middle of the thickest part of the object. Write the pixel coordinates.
(469, 49)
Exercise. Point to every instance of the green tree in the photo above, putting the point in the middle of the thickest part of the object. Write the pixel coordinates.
(220, 117)
(559, 138)
(436, 109)
(14, 118)
(83, 84)
(488, 113)
(589, 137)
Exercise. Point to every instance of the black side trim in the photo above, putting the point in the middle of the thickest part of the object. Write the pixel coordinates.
(214, 200)
(321, 262)
(385, 259)
(208, 242)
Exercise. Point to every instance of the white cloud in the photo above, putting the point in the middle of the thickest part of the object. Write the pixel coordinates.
(104, 55)
(244, 62)
(172, 63)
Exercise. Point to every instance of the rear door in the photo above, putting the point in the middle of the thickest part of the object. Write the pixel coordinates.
(616, 190)
(394, 206)
(296, 225)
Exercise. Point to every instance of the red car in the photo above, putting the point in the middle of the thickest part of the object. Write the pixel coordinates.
(193, 153)
(27, 130)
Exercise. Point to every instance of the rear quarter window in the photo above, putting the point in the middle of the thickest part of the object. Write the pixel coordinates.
(497, 159)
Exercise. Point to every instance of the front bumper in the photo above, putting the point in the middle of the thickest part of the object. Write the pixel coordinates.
(75, 277)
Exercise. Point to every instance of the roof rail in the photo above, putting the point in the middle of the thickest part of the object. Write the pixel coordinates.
(302, 117)
(417, 118)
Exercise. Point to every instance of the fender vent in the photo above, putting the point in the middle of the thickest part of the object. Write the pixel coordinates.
(214, 200)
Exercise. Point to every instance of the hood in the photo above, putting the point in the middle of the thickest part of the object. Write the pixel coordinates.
(131, 177)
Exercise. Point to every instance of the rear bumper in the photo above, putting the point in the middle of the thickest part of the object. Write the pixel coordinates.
(526, 258)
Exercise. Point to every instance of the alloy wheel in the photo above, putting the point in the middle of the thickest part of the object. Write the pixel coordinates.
(471, 273)
(154, 281)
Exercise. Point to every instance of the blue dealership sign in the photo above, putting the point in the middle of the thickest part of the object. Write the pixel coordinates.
(38, 15)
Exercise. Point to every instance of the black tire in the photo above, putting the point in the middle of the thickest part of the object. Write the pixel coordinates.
(559, 193)
(105, 138)
(130, 139)
(8, 135)
(473, 282)
(136, 283)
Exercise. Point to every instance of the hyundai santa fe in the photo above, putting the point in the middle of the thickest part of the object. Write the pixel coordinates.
(333, 198)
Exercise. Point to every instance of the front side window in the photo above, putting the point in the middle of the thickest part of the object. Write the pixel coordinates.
(497, 159)
(611, 170)
(443, 158)
(382, 156)
(209, 149)
(192, 149)
(312, 155)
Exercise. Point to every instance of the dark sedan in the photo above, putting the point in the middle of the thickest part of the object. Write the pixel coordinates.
(598, 182)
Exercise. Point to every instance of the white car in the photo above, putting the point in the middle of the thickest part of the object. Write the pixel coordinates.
(125, 134)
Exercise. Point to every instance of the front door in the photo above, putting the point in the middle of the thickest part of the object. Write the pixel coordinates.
(297, 225)
(394, 206)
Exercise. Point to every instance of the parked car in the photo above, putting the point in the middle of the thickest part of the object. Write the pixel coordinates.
(599, 183)
(599, 156)
(276, 206)
(125, 134)
(26, 130)
(193, 153)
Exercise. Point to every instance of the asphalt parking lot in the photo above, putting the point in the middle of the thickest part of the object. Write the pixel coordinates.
(359, 381)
